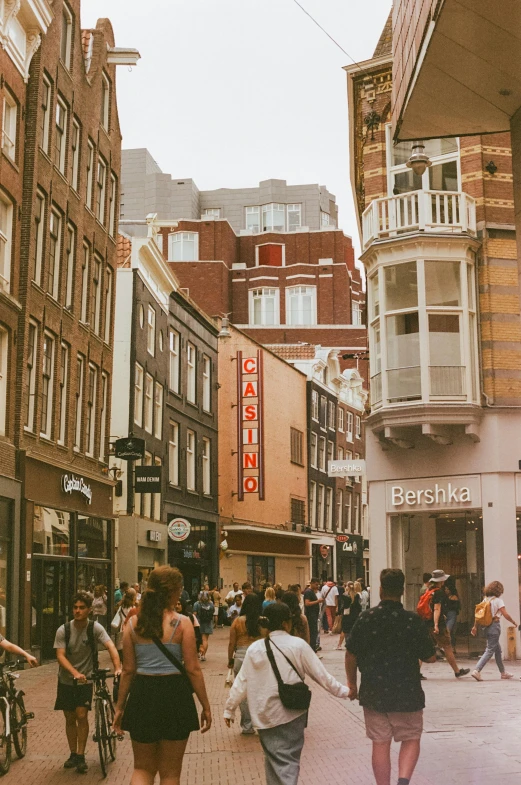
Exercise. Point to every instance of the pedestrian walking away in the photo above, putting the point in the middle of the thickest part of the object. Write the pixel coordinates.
(488, 617)
(204, 609)
(121, 617)
(432, 607)
(243, 632)
(453, 605)
(350, 608)
(330, 595)
(312, 603)
(299, 622)
(182, 608)
(386, 645)
(76, 645)
(271, 667)
(160, 712)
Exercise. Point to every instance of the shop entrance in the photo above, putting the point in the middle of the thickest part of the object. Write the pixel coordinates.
(452, 542)
(51, 592)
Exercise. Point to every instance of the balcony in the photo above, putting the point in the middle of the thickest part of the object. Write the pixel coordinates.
(447, 212)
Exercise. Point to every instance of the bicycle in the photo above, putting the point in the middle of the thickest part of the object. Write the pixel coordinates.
(104, 735)
(13, 716)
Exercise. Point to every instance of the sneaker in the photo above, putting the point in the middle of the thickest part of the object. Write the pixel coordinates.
(250, 732)
(71, 761)
(507, 675)
(462, 672)
(477, 675)
(81, 765)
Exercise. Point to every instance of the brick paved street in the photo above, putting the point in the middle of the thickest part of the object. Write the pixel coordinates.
(473, 734)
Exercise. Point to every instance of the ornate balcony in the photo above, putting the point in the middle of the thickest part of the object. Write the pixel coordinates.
(419, 211)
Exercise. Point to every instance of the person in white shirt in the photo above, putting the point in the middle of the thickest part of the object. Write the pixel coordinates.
(281, 730)
(235, 609)
(232, 594)
(330, 595)
(493, 594)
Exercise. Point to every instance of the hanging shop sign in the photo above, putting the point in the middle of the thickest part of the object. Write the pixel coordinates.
(350, 545)
(147, 479)
(72, 484)
(346, 468)
(324, 551)
(179, 529)
(250, 425)
(129, 449)
(342, 538)
(436, 493)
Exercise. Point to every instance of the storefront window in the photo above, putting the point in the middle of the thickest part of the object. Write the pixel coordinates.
(92, 538)
(51, 531)
(260, 571)
(6, 513)
(91, 575)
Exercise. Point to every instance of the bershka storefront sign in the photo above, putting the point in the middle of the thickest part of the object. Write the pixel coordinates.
(72, 484)
(250, 425)
(439, 493)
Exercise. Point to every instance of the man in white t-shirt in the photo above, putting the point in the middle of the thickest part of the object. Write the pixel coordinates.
(330, 596)
(232, 594)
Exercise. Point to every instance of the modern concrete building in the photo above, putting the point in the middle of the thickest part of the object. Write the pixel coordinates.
(445, 338)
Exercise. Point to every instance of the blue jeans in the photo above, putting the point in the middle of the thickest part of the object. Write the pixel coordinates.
(493, 649)
(452, 617)
(282, 747)
(243, 705)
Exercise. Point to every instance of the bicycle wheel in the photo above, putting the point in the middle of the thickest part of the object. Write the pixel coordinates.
(109, 719)
(5, 742)
(19, 726)
(102, 736)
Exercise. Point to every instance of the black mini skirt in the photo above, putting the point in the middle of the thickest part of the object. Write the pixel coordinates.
(160, 708)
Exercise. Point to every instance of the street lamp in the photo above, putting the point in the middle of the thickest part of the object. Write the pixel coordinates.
(418, 161)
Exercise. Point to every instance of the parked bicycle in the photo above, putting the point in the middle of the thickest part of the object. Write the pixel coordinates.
(104, 735)
(13, 716)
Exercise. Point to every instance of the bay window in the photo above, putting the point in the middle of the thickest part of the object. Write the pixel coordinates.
(442, 175)
(264, 306)
(183, 247)
(294, 217)
(301, 305)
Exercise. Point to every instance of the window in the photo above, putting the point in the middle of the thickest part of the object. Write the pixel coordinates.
(273, 218)
(173, 453)
(207, 384)
(356, 313)
(294, 217)
(9, 123)
(339, 510)
(90, 423)
(340, 454)
(108, 305)
(358, 421)
(260, 570)
(357, 458)
(105, 102)
(331, 415)
(112, 205)
(320, 507)
(252, 217)
(151, 331)
(138, 395)
(39, 232)
(173, 348)
(330, 451)
(314, 405)
(270, 255)
(156, 498)
(75, 154)
(90, 173)
(53, 272)
(60, 135)
(442, 175)
(158, 238)
(349, 457)
(340, 419)
(206, 467)
(47, 385)
(323, 411)
(324, 219)
(298, 513)
(95, 295)
(349, 525)
(3, 378)
(80, 372)
(101, 189)
(211, 212)
(312, 504)
(322, 453)
(158, 410)
(149, 402)
(313, 450)
(190, 460)
(45, 116)
(297, 446)
(356, 514)
(6, 233)
(349, 427)
(328, 513)
(63, 392)
(30, 375)
(264, 306)
(301, 305)
(103, 417)
(70, 253)
(183, 247)
(191, 371)
(66, 37)
(84, 282)
(137, 496)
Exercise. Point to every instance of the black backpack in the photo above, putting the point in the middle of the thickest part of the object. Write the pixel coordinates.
(205, 614)
(90, 638)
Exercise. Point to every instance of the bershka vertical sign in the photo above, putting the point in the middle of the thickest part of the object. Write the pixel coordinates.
(250, 425)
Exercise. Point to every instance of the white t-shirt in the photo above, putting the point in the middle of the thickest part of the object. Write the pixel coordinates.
(495, 604)
(329, 593)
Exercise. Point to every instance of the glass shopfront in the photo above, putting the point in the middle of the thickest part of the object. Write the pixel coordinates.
(322, 561)
(6, 524)
(260, 571)
(196, 557)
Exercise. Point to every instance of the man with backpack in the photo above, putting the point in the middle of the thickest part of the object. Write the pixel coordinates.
(432, 608)
(76, 645)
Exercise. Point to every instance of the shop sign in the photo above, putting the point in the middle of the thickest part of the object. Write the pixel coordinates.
(250, 425)
(439, 493)
(147, 479)
(324, 551)
(129, 449)
(342, 538)
(72, 484)
(346, 468)
(153, 536)
(350, 544)
(179, 529)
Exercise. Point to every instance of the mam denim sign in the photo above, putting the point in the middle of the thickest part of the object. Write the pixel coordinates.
(250, 425)
(434, 493)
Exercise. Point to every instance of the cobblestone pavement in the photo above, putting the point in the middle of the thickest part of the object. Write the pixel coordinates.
(472, 734)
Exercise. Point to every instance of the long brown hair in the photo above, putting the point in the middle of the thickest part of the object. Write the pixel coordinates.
(156, 599)
(494, 589)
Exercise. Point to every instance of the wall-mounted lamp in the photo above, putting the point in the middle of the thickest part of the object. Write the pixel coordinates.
(491, 167)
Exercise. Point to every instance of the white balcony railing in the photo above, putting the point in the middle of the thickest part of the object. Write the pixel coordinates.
(424, 211)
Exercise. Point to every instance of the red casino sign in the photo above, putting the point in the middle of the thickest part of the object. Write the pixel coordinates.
(250, 425)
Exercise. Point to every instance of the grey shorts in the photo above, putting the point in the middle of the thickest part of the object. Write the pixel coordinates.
(397, 725)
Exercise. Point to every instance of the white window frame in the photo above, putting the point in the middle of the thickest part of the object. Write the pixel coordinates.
(358, 426)
(101, 189)
(54, 260)
(6, 241)
(157, 496)
(349, 511)
(313, 450)
(191, 479)
(112, 204)
(356, 313)
(322, 453)
(173, 453)
(262, 245)
(207, 469)
(293, 209)
(321, 498)
(66, 37)
(392, 170)
(84, 310)
(325, 219)
(207, 384)
(339, 510)
(263, 294)
(298, 293)
(356, 514)
(80, 382)
(90, 419)
(39, 223)
(147, 497)
(60, 134)
(328, 511)
(158, 410)
(63, 395)
(90, 173)
(253, 226)
(75, 154)
(151, 331)
(149, 403)
(47, 360)
(331, 415)
(45, 108)
(315, 410)
(211, 212)
(9, 125)
(70, 251)
(341, 419)
(178, 247)
(139, 376)
(174, 342)
(107, 327)
(268, 221)
(30, 372)
(105, 101)
(103, 416)
(191, 373)
(95, 294)
(349, 427)
(4, 349)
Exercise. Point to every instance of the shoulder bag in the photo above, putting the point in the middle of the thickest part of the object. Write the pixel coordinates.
(293, 696)
(173, 659)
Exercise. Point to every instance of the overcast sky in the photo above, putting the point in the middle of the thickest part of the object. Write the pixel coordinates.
(231, 92)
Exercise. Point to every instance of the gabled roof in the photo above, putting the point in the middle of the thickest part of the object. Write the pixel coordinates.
(385, 44)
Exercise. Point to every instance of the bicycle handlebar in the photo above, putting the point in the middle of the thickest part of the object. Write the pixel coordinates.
(8, 667)
(98, 676)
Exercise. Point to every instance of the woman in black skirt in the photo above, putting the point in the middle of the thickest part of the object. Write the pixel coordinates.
(160, 712)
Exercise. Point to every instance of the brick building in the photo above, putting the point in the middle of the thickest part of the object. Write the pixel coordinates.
(63, 280)
(444, 308)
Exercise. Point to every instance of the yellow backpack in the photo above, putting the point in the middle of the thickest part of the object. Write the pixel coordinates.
(483, 613)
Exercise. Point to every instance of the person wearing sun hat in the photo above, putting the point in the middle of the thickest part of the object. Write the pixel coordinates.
(438, 623)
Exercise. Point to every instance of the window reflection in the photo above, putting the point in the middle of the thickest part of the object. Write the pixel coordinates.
(92, 537)
(51, 531)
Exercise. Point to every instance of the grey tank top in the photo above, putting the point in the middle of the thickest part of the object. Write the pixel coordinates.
(150, 660)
